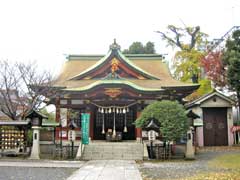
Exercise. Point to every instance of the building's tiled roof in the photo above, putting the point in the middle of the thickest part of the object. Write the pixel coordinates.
(208, 96)
(151, 73)
(152, 64)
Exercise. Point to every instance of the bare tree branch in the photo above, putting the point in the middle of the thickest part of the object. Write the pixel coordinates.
(17, 95)
(181, 33)
(176, 40)
(193, 33)
(170, 40)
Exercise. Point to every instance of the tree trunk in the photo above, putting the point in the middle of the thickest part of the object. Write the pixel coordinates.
(194, 78)
(238, 101)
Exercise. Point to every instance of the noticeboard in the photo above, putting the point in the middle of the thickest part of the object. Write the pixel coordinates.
(85, 127)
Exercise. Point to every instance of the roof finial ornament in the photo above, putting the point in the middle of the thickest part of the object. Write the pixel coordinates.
(114, 46)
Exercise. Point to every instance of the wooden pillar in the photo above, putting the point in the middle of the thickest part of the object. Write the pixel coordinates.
(57, 109)
(138, 131)
(57, 105)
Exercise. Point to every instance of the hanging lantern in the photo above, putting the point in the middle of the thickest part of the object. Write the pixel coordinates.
(103, 128)
(125, 124)
(102, 110)
(117, 111)
(125, 129)
(120, 110)
(110, 110)
(127, 109)
(124, 110)
(114, 133)
(114, 125)
(113, 109)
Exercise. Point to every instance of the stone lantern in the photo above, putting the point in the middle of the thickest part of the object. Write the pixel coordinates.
(189, 154)
(152, 130)
(35, 118)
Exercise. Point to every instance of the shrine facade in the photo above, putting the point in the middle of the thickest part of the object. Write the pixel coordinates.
(114, 89)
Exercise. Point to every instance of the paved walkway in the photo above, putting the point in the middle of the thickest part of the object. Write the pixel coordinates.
(107, 170)
(41, 163)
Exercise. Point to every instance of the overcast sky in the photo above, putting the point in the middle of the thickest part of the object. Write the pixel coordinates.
(47, 30)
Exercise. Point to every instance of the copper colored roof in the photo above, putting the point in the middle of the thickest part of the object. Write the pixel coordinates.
(156, 67)
(150, 65)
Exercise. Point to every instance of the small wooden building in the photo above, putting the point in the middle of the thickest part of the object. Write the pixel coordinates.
(213, 128)
(113, 88)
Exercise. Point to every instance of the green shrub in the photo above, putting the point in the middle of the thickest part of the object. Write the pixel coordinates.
(171, 116)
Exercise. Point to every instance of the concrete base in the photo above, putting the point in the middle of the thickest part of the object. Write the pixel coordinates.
(80, 151)
(138, 139)
(145, 151)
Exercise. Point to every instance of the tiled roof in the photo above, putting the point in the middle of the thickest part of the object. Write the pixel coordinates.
(150, 66)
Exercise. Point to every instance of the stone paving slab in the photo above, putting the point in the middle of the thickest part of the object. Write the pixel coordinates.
(107, 170)
(42, 164)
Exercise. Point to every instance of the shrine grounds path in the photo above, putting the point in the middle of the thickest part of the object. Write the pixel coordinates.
(199, 169)
(26, 173)
(108, 170)
(70, 170)
(15, 169)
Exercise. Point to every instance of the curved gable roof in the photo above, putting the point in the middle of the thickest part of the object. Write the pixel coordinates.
(113, 53)
(156, 73)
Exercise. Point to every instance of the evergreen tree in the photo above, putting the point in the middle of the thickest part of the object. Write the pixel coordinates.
(232, 60)
(171, 116)
(149, 48)
(139, 48)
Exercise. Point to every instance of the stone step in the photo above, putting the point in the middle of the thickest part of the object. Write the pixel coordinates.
(122, 150)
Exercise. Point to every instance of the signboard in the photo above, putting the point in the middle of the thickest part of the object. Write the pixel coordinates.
(78, 134)
(63, 134)
(71, 135)
(85, 127)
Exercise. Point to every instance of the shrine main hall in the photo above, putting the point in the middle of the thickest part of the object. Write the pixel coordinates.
(114, 89)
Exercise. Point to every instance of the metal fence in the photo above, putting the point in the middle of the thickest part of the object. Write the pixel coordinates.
(159, 151)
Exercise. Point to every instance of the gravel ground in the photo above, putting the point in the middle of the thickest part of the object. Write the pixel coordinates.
(26, 173)
(180, 168)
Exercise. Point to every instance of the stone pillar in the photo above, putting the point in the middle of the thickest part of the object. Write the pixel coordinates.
(189, 149)
(36, 146)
